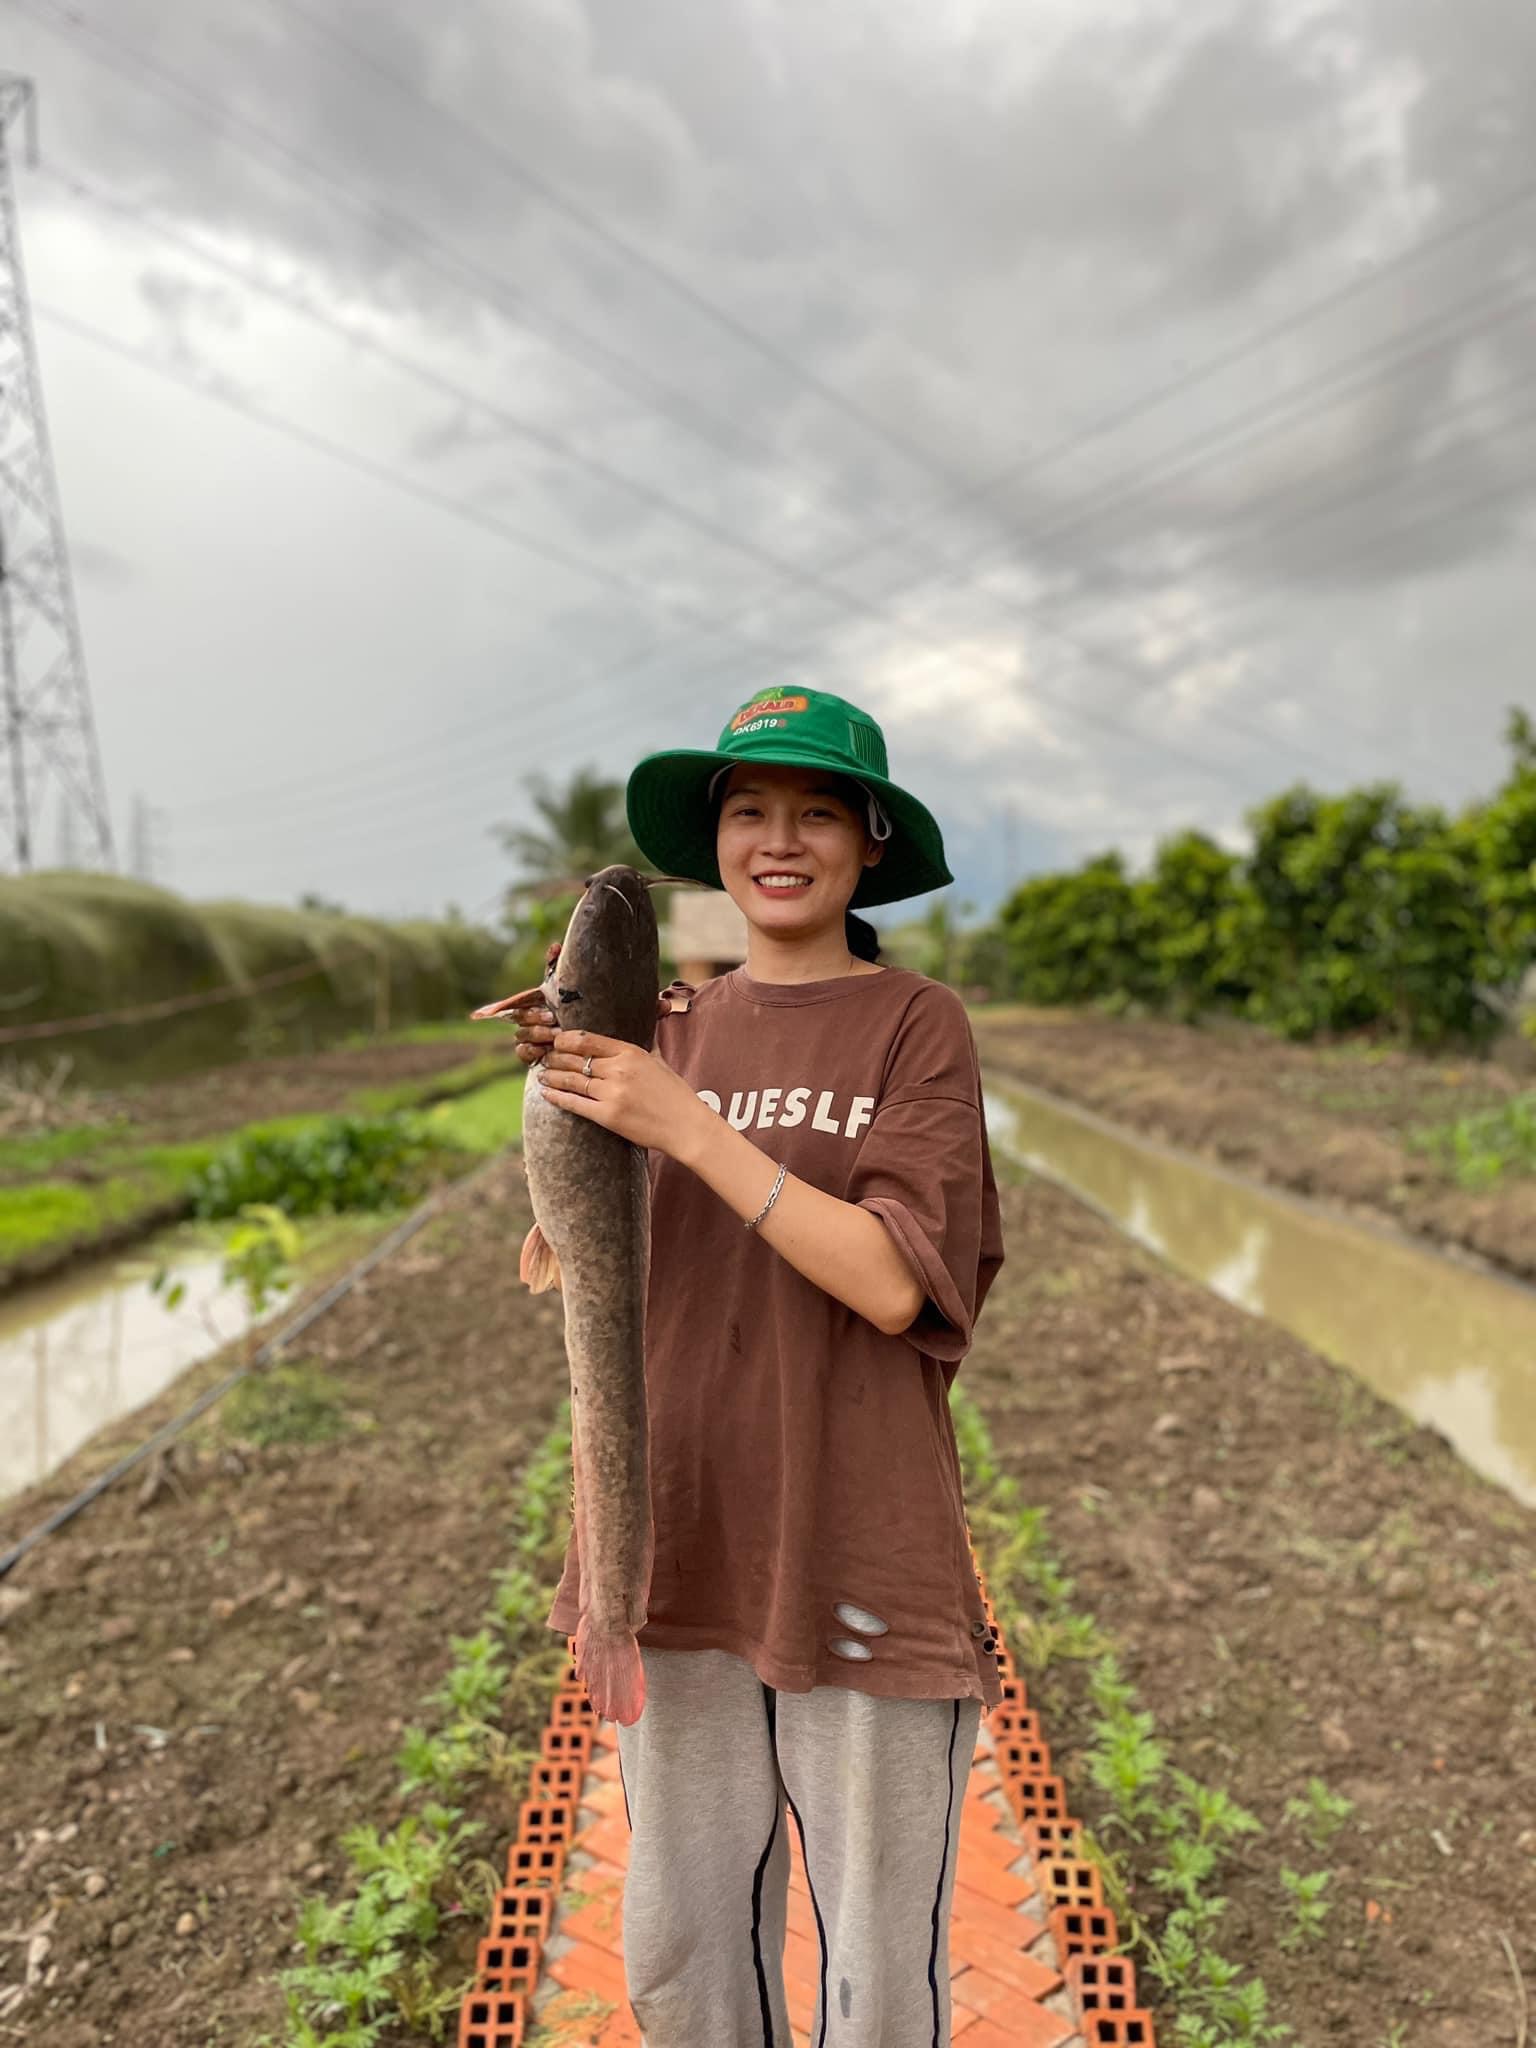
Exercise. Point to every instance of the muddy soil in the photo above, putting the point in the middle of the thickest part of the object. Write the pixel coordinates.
(1302, 1583)
(249, 1091)
(198, 1696)
(1331, 1121)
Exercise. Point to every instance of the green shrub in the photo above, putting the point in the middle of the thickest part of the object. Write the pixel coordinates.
(347, 1162)
(1481, 1148)
(1355, 912)
(1073, 938)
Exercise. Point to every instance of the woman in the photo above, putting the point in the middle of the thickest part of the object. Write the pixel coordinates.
(816, 1638)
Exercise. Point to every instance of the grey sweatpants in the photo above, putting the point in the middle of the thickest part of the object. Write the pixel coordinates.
(715, 1771)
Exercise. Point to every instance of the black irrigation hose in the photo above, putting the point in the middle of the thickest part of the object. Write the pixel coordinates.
(317, 1308)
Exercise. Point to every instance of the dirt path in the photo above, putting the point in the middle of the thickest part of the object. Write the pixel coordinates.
(276, 1615)
(1304, 1583)
(1327, 1121)
(1007, 1989)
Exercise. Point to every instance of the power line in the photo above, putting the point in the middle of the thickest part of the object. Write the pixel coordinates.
(562, 203)
(378, 472)
(554, 443)
(1265, 534)
(1473, 503)
(1453, 232)
(1433, 519)
(1216, 365)
(493, 290)
(1284, 410)
(1242, 351)
(644, 656)
(905, 626)
(472, 278)
(668, 280)
(562, 732)
(1216, 444)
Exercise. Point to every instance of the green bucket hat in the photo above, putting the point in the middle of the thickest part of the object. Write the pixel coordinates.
(668, 795)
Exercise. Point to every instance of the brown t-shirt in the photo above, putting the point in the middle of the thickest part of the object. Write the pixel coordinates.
(801, 1459)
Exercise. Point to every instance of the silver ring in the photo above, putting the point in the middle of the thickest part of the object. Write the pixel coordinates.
(586, 1066)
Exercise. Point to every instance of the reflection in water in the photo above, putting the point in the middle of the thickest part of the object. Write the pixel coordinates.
(77, 1352)
(1452, 1346)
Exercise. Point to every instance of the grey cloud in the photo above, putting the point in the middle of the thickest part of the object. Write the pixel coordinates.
(987, 230)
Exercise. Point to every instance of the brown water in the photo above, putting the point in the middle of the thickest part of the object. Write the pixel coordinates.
(78, 1352)
(1451, 1344)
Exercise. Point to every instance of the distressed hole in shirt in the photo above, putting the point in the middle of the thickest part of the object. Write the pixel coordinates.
(856, 1653)
(860, 1619)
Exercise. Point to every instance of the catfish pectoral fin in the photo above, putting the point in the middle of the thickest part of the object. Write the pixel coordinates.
(503, 1006)
(538, 1268)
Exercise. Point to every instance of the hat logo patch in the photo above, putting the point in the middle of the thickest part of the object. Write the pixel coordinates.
(764, 713)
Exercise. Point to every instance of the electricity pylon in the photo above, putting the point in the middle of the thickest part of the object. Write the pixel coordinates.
(47, 733)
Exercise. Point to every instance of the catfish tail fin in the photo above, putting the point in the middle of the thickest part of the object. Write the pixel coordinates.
(612, 1672)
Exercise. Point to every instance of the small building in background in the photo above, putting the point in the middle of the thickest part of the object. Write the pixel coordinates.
(705, 934)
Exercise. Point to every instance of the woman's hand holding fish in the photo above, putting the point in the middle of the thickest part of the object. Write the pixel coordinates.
(535, 1020)
(627, 1090)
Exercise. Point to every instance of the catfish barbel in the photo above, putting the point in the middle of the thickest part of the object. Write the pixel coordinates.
(591, 1239)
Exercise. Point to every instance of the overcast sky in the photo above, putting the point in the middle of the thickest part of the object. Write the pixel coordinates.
(1132, 402)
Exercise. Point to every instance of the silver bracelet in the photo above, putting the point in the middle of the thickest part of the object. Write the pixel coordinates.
(753, 1221)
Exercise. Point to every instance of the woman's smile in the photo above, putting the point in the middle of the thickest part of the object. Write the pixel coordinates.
(782, 881)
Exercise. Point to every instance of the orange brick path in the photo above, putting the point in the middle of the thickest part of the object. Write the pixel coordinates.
(1008, 1988)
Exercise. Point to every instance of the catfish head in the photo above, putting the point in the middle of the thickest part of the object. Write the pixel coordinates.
(606, 971)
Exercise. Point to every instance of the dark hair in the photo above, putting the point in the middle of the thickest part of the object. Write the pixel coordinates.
(863, 940)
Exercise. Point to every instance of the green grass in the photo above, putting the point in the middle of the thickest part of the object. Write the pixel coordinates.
(293, 1403)
(56, 1217)
(429, 1087)
(1481, 1149)
(108, 1146)
(40, 1151)
(483, 1122)
(45, 1220)
(116, 1145)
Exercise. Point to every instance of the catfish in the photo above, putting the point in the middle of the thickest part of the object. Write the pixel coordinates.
(591, 1240)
